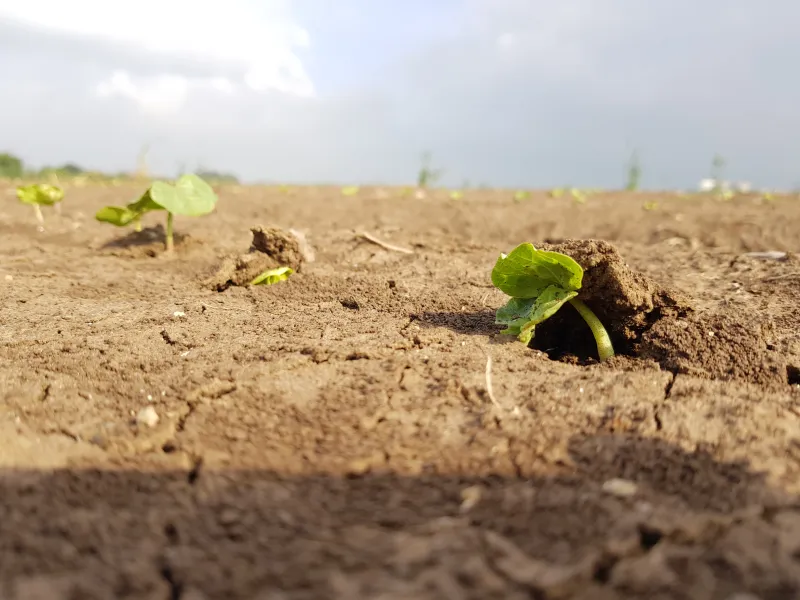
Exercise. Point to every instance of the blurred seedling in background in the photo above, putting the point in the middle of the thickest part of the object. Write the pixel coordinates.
(521, 195)
(427, 175)
(38, 195)
(350, 190)
(579, 196)
(456, 195)
(539, 283)
(190, 196)
(650, 206)
(556, 192)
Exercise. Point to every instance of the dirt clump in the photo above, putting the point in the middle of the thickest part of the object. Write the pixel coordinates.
(714, 346)
(271, 248)
(626, 302)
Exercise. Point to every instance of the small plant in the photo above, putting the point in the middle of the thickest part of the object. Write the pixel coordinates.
(273, 276)
(350, 190)
(634, 173)
(38, 195)
(190, 196)
(521, 195)
(556, 192)
(456, 195)
(427, 175)
(539, 283)
(652, 205)
(579, 196)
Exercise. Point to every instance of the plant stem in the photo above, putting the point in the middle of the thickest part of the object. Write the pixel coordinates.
(604, 348)
(170, 243)
(137, 226)
(39, 216)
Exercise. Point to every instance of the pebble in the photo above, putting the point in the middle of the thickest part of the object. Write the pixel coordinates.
(622, 488)
(147, 417)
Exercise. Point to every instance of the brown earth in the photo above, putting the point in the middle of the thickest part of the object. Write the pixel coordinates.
(336, 435)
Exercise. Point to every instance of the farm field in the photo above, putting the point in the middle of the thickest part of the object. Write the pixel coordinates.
(169, 434)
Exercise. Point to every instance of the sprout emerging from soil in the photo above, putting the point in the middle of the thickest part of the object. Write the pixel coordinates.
(190, 196)
(350, 190)
(539, 283)
(38, 195)
(273, 276)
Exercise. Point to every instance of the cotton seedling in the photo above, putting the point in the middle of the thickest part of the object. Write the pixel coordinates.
(38, 195)
(456, 195)
(273, 276)
(350, 190)
(556, 192)
(190, 196)
(578, 195)
(521, 195)
(539, 283)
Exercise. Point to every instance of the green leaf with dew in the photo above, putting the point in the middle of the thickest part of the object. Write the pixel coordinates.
(273, 276)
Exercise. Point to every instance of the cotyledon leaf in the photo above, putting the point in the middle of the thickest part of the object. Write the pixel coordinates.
(526, 272)
(521, 315)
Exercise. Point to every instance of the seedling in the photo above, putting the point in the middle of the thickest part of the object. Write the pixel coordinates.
(650, 205)
(190, 196)
(456, 195)
(38, 195)
(556, 192)
(539, 283)
(350, 190)
(521, 195)
(273, 276)
(578, 195)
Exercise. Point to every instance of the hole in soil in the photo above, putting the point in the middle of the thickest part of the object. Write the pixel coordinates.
(793, 375)
(649, 537)
(602, 570)
(175, 587)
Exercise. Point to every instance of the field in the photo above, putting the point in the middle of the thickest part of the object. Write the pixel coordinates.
(362, 430)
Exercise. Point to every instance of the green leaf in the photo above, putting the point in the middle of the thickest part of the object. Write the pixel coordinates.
(527, 272)
(144, 204)
(116, 215)
(522, 315)
(351, 190)
(40, 193)
(189, 196)
(273, 276)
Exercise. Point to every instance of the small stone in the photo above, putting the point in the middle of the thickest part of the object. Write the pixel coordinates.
(147, 417)
(470, 497)
(9, 278)
(622, 488)
(179, 314)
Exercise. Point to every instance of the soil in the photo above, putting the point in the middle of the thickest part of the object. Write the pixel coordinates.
(362, 430)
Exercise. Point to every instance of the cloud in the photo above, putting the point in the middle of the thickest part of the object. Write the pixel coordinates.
(506, 92)
(247, 45)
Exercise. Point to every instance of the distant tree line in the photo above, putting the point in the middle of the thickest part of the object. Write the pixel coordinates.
(13, 167)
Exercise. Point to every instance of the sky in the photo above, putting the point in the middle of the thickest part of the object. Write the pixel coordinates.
(507, 93)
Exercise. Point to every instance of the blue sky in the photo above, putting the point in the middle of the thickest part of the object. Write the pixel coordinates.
(504, 92)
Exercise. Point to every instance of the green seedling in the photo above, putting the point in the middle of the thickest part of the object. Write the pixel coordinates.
(38, 195)
(578, 195)
(456, 195)
(350, 190)
(273, 276)
(650, 206)
(190, 196)
(539, 283)
(556, 192)
(521, 195)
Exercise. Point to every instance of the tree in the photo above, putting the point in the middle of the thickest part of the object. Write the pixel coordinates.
(11, 166)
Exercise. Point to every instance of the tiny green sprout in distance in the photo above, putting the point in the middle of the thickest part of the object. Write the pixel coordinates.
(350, 190)
(190, 196)
(521, 195)
(556, 192)
(273, 276)
(539, 283)
(456, 195)
(578, 195)
(650, 205)
(38, 195)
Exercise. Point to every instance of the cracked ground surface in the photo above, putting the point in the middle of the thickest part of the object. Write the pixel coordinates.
(333, 436)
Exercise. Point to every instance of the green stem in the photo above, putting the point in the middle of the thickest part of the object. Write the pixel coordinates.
(137, 225)
(39, 216)
(170, 243)
(604, 348)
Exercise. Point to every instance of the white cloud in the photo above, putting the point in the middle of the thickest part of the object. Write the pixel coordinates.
(256, 38)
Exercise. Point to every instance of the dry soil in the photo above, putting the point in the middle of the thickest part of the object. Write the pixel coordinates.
(170, 432)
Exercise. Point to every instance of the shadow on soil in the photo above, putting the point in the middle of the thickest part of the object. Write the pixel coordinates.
(149, 236)
(255, 534)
